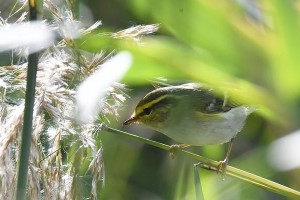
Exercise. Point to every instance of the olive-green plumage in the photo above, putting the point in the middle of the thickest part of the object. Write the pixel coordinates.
(191, 113)
(202, 98)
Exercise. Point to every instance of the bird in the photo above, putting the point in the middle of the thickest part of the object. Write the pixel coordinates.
(193, 114)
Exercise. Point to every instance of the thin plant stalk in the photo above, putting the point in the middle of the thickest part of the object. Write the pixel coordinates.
(28, 114)
(213, 165)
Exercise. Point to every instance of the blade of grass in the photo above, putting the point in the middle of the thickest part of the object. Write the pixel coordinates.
(212, 165)
(197, 181)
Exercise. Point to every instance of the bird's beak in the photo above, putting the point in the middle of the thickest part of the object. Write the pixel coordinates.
(131, 120)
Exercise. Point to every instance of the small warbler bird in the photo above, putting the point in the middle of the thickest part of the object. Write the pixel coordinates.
(192, 114)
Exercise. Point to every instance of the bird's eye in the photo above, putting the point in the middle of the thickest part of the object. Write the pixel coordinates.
(147, 111)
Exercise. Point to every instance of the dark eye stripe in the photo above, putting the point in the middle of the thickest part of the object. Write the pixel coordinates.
(147, 111)
(165, 101)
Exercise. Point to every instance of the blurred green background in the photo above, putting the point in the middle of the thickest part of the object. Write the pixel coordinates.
(251, 48)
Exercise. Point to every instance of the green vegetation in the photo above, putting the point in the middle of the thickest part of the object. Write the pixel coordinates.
(250, 50)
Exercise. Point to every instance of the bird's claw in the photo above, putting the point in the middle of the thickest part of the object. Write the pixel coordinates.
(222, 167)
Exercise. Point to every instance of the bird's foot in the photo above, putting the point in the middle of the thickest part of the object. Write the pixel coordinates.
(222, 167)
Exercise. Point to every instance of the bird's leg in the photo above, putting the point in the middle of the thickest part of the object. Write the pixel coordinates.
(175, 147)
(223, 164)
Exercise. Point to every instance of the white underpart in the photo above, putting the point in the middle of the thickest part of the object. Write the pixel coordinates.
(209, 132)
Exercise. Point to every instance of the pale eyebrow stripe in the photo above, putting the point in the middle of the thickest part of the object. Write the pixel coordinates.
(154, 102)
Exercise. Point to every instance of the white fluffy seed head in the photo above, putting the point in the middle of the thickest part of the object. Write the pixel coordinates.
(91, 92)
